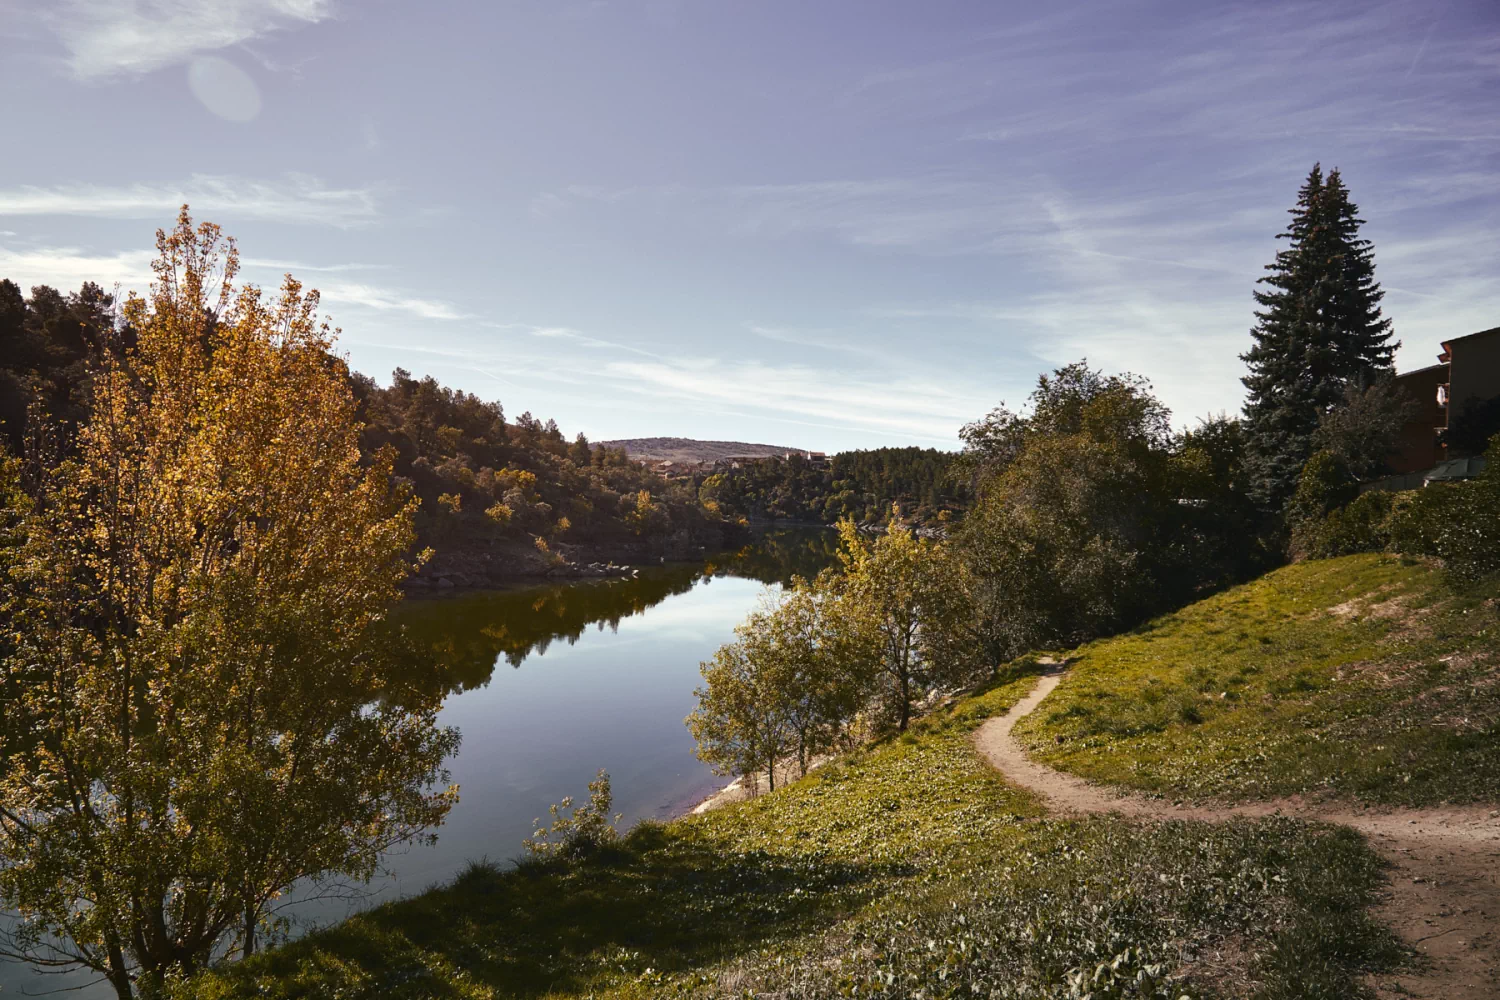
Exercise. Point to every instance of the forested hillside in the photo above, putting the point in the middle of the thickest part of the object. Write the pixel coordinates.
(499, 498)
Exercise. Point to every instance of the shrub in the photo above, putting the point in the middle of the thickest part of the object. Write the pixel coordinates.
(576, 831)
(499, 513)
(1360, 526)
(1416, 516)
(1459, 524)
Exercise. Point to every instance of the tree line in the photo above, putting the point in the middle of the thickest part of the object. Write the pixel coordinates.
(862, 485)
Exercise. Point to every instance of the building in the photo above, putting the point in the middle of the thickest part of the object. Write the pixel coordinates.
(1419, 448)
(1467, 372)
(1474, 372)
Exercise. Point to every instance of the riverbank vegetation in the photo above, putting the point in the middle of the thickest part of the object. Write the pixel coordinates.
(864, 486)
(907, 867)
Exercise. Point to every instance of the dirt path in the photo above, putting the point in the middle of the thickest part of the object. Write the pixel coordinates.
(1444, 896)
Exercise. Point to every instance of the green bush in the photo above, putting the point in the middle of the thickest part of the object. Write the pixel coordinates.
(1360, 526)
(1416, 519)
(1326, 485)
(1458, 523)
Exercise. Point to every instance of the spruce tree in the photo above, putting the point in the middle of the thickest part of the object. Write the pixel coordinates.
(1318, 331)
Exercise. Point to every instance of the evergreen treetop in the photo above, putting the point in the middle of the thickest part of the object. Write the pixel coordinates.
(1319, 330)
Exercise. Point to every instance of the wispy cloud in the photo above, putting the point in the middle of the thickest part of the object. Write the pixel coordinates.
(911, 407)
(68, 267)
(385, 299)
(110, 37)
(297, 267)
(295, 198)
(567, 333)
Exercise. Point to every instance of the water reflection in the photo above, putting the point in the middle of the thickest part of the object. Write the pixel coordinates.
(471, 635)
(609, 671)
(549, 684)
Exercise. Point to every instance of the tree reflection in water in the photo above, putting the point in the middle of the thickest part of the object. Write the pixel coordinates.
(469, 635)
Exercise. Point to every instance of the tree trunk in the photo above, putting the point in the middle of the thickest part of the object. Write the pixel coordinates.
(905, 700)
(119, 975)
(250, 923)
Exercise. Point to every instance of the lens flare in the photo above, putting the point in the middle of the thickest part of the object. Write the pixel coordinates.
(224, 88)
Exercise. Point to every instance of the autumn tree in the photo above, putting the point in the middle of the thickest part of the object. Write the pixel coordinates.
(201, 702)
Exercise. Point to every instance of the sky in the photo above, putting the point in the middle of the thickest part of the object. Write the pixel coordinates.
(824, 224)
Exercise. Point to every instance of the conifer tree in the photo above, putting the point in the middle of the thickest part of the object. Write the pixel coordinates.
(1318, 330)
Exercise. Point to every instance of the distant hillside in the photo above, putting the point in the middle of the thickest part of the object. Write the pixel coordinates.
(666, 449)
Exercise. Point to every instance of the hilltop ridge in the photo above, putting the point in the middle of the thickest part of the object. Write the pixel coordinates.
(676, 449)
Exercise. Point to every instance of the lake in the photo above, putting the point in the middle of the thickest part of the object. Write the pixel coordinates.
(550, 684)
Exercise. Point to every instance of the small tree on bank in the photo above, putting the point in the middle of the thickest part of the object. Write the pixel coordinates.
(786, 689)
(902, 604)
(739, 724)
(1318, 331)
(201, 707)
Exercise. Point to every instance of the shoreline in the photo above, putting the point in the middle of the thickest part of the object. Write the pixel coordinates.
(737, 791)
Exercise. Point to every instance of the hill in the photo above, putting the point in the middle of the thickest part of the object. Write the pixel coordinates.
(670, 449)
(1366, 677)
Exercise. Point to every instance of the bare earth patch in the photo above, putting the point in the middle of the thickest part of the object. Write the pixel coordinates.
(1444, 893)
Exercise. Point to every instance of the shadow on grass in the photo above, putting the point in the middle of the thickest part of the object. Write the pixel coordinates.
(663, 898)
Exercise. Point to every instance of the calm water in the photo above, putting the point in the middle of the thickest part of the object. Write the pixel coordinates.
(548, 685)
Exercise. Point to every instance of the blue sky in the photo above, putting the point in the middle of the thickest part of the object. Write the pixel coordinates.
(822, 223)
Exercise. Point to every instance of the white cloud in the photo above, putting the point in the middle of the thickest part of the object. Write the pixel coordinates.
(66, 268)
(389, 300)
(109, 37)
(297, 198)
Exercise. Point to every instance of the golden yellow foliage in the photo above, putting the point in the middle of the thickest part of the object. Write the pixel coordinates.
(205, 708)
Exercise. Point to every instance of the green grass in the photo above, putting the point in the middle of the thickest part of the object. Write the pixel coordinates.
(907, 869)
(1364, 677)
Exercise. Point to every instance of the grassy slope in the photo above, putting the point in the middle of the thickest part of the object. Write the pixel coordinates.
(907, 869)
(1363, 676)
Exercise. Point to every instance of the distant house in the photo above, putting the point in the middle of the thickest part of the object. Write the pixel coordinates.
(1474, 371)
(742, 461)
(1467, 371)
(1419, 447)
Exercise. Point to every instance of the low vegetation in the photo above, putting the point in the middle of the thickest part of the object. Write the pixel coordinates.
(907, 868)
(1367, 676)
